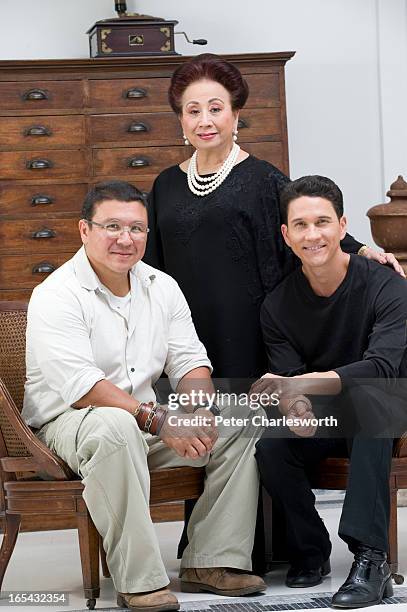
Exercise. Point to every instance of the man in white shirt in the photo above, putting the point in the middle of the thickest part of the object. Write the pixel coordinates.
(100, 331)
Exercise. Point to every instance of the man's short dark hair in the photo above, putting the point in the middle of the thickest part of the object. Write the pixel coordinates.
(110, 190)
(314, 186)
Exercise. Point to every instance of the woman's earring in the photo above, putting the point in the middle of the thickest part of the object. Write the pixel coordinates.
(235, 133)
(186, 141)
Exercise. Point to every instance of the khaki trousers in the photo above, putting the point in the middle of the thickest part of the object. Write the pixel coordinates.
(107, 449)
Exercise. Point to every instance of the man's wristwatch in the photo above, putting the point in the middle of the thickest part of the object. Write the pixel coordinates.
(213, 408)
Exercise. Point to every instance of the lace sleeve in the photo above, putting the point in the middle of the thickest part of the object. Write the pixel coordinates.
(275, 259)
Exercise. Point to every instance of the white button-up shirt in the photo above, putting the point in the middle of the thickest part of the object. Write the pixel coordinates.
(76, 337)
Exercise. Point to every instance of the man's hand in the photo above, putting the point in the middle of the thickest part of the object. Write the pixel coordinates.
(301, 408)
(291, 404)
(272, 383)
(188, 440)
(287, 387)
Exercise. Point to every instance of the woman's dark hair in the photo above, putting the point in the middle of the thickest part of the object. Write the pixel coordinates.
(110, 190)
(314, 186)
(211, 67)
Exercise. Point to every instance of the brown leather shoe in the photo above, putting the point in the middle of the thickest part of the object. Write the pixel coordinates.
(152, 601)
(220, 580)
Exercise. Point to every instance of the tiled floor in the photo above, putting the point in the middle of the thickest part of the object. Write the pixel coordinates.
(49, 561)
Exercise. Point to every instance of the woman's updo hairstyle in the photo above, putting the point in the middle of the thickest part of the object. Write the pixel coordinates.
(211, 67)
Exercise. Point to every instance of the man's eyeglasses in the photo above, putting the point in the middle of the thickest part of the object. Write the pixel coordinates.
(137, 231)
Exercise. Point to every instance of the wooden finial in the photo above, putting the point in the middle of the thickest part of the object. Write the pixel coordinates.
(398, 188)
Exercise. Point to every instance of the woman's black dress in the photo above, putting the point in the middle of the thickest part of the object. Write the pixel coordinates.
(226, 252)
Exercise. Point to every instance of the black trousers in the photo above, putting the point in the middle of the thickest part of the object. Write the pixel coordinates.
(285, 465)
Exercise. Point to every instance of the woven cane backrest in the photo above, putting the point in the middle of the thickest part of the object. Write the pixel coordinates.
(12, 372)
(18, 443)
(12, 353)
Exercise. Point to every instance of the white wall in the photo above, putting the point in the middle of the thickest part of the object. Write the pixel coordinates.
(346, 85)
(392, 45)
(41, 29)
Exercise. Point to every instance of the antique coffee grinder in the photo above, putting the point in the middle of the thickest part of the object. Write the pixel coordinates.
(133, 35)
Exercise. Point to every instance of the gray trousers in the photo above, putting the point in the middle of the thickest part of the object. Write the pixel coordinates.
(112, 456)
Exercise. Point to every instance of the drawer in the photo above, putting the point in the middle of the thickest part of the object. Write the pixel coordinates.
(41, 199)
(259, 124)
(152, 160)
(264, 90)
(12, 295)
(26, 271)
(136, 161)
(40, 95)
(141, 127)
(41, 131)
(42, 164)
(140, 94)
(145, 94)
(157, 128)
(39, 235)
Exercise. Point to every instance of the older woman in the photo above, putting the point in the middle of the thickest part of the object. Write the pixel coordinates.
(215, 220)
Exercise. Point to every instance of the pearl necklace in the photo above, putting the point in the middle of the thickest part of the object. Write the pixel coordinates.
(203, 185)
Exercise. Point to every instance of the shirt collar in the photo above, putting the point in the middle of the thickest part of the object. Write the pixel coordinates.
(143, 273)
(88, 278)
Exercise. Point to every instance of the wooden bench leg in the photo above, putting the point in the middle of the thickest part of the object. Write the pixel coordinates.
(105, 569)
(89, 549)
(11, 527)
(392, 555)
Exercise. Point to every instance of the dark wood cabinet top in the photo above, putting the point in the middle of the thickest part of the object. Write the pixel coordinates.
(148, 64)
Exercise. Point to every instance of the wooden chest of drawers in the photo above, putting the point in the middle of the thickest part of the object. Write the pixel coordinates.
(66, 124)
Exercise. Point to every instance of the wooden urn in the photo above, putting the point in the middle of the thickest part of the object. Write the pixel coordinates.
(388, 222)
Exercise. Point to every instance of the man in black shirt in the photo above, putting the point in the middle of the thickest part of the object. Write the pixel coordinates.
(335, 331)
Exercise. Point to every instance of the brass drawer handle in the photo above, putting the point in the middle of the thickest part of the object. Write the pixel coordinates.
(38, 130)
(35, 94)
(138, 127)
(43, 233)
(43, 268)
(39, 164)
(136, 92)
(139, 162)
(242, 124)
(37, 200)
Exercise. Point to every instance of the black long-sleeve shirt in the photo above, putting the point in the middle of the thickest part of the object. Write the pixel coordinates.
(359, 331)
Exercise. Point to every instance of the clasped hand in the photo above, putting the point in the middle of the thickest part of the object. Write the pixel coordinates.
(285, 388)
(272, 383)
(300, 409)
(189, 440)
